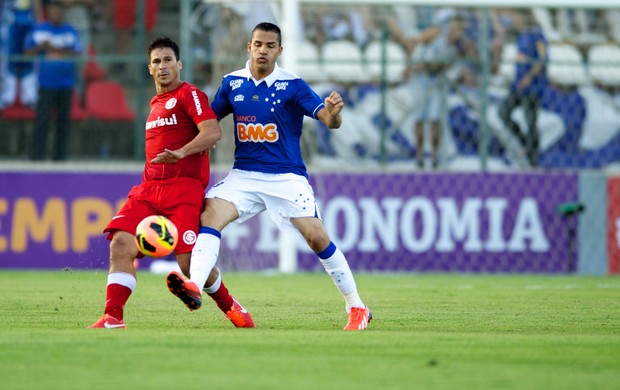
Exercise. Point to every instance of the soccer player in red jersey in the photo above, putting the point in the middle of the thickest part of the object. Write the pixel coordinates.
(180, 118)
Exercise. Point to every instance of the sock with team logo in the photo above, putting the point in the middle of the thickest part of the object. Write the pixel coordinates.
(219, 293)
(337, 268)
(204, 255)
(119, 288)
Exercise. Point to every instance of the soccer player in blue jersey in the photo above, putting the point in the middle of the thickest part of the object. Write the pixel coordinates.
(268, 104)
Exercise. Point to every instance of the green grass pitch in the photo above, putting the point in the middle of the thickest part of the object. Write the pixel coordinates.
(428, 332)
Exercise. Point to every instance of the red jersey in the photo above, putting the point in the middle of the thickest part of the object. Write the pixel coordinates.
(171, 124)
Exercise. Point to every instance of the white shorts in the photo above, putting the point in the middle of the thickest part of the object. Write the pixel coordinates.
(284, 195)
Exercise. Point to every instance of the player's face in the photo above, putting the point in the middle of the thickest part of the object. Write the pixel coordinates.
(264, 51)
(164, 67)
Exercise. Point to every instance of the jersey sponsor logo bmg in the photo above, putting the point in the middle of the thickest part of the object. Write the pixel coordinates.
(257, 132)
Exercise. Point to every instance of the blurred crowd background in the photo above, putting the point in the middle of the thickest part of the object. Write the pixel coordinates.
(426, 88)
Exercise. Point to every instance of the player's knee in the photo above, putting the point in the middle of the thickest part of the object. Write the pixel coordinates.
(317, 239)
(218, 214)
(206, 216)
(122, 251)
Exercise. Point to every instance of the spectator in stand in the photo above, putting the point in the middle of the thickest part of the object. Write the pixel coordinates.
(311, 27)
(344, 23)
(78, 15)
(57, 44)
(436, 48)
(529, 83)
(406, 22)
(125, 17)
(19, 79)
(225, 36)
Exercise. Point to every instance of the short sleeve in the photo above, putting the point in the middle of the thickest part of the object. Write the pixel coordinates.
(196, 104)
(308, 101)
(220, 104)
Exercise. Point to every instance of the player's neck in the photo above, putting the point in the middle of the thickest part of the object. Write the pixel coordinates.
(166, 88)
(260, 75)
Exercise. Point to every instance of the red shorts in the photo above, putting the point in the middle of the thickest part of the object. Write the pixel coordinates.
(178, 199)
(125, 14)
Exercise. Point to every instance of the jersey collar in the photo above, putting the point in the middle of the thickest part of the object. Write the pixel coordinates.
(269, 80)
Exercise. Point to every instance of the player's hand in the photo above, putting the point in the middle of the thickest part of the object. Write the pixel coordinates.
(168, 156)
(334, 103)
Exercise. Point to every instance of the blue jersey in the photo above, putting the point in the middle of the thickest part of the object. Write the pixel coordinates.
(268, 118)
(532, 49)
(56, 73)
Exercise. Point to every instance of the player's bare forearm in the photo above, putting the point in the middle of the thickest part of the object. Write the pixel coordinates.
(209, 134)
(330, 115)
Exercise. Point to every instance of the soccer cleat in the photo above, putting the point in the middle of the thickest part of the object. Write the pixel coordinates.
(108, 322)
(185, 290)
(239, 316)
(359, 317)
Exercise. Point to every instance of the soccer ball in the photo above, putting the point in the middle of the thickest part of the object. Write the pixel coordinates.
(156, 236)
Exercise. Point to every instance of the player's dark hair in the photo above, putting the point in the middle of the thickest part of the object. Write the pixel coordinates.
(162, 42)
(269, 27)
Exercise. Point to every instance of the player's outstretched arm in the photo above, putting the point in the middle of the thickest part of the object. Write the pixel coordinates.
(209, 133)
(330, 115)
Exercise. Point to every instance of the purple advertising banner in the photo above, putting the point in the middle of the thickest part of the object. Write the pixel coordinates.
(429, 222)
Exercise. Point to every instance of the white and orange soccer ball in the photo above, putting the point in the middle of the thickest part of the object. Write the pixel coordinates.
(156, 236)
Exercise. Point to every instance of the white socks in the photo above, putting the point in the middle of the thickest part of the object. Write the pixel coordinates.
(204, 255)
(337, 268)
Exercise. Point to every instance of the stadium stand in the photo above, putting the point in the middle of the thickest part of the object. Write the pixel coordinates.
(92, 70)
(106, 101)
(396, 61)
(309, 65)
(112, 118)
(18, 112)
(604, 64)
(579, 113)
(507, 67)
(566, 65)
(342, 61)
(78, 112)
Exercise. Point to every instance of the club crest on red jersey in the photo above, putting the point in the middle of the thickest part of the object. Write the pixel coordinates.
(171, 103)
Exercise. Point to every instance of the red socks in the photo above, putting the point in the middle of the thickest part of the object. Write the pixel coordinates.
(222, 298)
(115, 299)
(117, 296)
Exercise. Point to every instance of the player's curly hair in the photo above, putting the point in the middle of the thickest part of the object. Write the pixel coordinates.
(162, 42)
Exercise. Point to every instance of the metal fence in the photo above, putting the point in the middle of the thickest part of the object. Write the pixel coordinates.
(426, 86)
